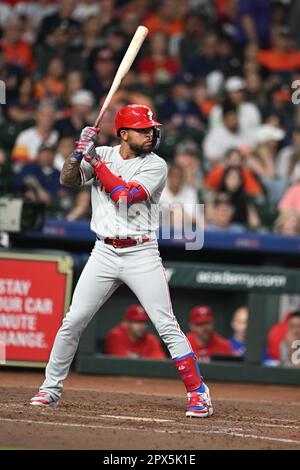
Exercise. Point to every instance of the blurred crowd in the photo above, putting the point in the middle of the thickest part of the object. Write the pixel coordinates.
(221, 75)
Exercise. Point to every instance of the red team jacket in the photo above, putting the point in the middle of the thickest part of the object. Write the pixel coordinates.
(118, 343)
(276, 335)
(217, 345)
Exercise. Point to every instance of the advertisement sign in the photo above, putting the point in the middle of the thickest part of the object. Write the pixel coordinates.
(236, 278)
(34, 296)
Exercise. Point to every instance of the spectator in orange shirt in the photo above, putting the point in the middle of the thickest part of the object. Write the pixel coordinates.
(131, 338)
(234, 157)
(166, 20)
(202, 97)
(16, 51)
(53, 84)
(282, 57)
(204, 340)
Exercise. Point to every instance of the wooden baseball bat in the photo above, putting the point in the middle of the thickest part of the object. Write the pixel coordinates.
(124, 66)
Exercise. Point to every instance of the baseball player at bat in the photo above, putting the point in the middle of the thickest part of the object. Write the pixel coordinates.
(131, 176)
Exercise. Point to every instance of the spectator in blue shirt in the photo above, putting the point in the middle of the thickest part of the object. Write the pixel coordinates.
(253, 22)
(207, 61)
(179, 109)
(239, 324)
(39, 181)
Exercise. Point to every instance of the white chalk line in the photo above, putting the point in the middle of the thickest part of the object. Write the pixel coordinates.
(285, 426)
(122, 417)
(224, 431)
(282, 420)
(246, 400)
(270, 425)
(127, 418)
(41, 410)
(262, 425)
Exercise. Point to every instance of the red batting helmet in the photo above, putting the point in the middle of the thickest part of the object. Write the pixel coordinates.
(135, 116)
(135, 313)
(201, 314)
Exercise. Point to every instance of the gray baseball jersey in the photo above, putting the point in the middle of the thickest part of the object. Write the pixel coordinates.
(108, 218)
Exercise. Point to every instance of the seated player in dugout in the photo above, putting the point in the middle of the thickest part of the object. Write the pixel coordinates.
(290, 346)
(239, 325)
(275, 336)
(204, 340)
(283, 341)
(131, 339)
(125, 251)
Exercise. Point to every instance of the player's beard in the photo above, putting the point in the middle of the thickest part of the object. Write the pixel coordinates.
(141, 149)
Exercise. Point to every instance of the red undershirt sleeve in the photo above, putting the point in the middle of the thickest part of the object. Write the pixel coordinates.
(117, 188)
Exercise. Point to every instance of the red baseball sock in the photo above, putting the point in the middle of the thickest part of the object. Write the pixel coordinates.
(189, 371)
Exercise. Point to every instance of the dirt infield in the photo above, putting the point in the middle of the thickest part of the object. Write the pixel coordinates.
(129, 413)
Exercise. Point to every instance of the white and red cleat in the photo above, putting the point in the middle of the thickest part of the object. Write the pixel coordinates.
(44, 399)
(199, 405)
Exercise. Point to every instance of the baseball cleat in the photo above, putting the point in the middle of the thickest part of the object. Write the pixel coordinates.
(44, 399)
(199, 405)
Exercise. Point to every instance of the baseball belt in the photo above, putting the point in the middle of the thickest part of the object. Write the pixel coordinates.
(124, 242)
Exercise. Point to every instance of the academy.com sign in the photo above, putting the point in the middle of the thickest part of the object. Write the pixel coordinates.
(246, 280)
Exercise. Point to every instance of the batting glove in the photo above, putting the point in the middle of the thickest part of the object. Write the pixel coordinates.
(86, 143)
(91, 157)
